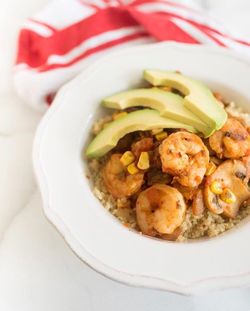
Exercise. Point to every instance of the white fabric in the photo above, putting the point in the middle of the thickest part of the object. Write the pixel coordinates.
(40, 29)
(38, 271)
(76, 11)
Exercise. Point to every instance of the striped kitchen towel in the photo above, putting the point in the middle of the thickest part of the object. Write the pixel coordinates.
(58, 42)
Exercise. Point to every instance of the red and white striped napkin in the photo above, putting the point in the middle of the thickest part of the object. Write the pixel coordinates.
(58, 42)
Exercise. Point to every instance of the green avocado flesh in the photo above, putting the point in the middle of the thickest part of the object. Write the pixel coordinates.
(168, 104)
(198, 98)
(140, 120)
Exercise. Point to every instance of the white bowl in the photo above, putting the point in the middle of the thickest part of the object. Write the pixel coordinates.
(92, 232)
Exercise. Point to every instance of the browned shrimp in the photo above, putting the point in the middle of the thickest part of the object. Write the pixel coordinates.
(188, 193)
(117, 181)
(144, 144)
(173, 236)
(160, 209)
(184, 156)
(231, 141)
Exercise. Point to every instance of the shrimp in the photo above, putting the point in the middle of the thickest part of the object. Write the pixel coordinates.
(231, 141)
(118, 182)
(144, 144)
(173, 236)
(160, 210)
(188, 193)
(184, 156)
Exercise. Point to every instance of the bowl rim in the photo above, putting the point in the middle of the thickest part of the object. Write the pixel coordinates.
(208, 284)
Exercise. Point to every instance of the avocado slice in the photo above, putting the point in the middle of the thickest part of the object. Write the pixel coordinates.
(168, 104)
(140, 120)
(198, 98)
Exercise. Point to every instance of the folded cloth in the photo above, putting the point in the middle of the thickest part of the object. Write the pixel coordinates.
(58, 42)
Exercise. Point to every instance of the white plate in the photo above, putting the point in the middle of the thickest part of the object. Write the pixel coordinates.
(94, 234)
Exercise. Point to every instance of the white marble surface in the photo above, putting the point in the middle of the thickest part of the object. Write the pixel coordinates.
(37, 269)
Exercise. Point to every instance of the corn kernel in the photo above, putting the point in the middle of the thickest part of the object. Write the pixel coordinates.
(210, 168)
(228, 196)
(143, 162)
(119, 115)
(132, 169)
(161, 136)
(216, 187)
(156, 131)
(127, 158)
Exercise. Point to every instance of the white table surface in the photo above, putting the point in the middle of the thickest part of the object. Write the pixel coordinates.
(38, 271)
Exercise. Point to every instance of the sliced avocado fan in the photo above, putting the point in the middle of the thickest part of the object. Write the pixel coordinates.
(198, 98)
(168, 104)
(140, 120)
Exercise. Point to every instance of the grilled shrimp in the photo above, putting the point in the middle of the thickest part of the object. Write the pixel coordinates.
(188, 193)
(160, 210)
(117, 181)
(184, 156)
(231, 141)
(144, 144)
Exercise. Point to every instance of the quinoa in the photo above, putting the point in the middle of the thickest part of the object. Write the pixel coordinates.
(206, 225)
(238, 113)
